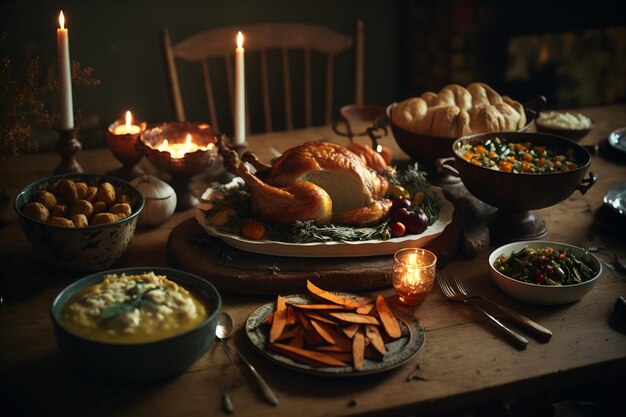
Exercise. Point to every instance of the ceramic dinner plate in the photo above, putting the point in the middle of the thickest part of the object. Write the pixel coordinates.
(331, 249)
(399, 351)
(616, 199)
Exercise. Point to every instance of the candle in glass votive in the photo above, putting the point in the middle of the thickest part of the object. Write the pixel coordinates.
(127, 128)
(413, 274)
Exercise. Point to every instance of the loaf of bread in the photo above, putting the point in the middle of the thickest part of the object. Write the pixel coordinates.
(457, 111)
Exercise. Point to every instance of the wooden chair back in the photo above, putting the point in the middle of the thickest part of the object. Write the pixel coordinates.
(260, 38)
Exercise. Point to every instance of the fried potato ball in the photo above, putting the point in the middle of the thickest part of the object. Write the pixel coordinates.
(106, 194)
(91, 194)
(36, 211)
(81, 188)
(82, 207)
(60, 210)
(46, 198)
(99, 207)
(66, 191)
(80, 220)
(121, 208)
(60, 221)
(101, 218)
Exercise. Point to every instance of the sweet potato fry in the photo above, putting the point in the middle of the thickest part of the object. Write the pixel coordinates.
(354, 318)
(291, 316)
(307, 355)
(350, 329)
(320, 306)
(373, 334)
(279, 320)
(342, 344)
(316, 292)
(358, 350)
(329, 334)
(289, 332)
(298, 339)
(268, 319)
(317, 316)
(365, 308)
(390, 322)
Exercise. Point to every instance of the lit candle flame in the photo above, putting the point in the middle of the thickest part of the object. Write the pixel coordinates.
(62, 20)
(239, 39)
(129, 120)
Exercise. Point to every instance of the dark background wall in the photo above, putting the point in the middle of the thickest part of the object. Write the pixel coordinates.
(120, 40)
(573, 52)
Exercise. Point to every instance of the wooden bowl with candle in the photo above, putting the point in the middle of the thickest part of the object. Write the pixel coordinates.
(183, 149)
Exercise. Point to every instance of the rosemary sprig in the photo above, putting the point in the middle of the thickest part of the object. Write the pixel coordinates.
(136, 299)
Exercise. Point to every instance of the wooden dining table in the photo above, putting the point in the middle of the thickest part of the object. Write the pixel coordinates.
(464, 363)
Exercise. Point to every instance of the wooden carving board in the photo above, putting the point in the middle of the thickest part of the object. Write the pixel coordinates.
(192, 250)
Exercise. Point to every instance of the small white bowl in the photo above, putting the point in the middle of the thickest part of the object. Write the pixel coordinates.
(543, 294)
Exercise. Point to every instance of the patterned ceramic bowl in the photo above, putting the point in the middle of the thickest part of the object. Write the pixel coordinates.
(91, 248)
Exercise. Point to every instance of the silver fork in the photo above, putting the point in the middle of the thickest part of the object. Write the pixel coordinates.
(541, 333)
(451, 294)
(591, 246)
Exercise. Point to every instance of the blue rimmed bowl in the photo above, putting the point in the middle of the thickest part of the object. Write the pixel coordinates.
(91, 248)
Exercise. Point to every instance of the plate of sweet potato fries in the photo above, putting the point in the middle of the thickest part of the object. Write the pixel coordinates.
(334, 333)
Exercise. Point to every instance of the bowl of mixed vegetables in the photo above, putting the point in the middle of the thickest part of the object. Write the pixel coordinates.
(518, 172)
(543, 272)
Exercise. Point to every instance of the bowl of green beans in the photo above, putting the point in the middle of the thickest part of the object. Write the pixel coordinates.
(543, 272)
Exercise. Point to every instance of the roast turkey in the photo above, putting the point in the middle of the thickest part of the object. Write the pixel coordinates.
(318, 181)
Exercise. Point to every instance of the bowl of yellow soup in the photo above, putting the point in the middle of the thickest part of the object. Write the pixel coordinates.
(139, 324)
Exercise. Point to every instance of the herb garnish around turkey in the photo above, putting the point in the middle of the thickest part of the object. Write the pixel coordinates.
(237, 199)
(136, 299)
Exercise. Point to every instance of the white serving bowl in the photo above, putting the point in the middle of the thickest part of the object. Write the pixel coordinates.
(543, 294)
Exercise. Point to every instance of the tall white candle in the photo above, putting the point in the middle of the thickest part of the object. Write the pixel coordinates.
(240, 94)
(65, 76)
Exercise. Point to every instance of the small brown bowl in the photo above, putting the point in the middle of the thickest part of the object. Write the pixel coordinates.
(571, 134)
(427, 149)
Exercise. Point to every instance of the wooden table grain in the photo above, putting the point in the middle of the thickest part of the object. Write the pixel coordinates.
(463, 363)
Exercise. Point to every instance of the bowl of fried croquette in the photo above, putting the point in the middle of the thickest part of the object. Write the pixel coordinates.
(79, 222)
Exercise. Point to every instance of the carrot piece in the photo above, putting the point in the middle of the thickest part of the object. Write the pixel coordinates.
(390, 322)
(310, 355)
(373, 334)
(358, 350)
(350, 329)
(354, 318)
(280, 319)
(315, 291)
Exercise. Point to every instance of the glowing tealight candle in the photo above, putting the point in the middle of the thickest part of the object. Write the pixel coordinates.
(127, 129)
(65, 75)
(178, 150)
(240, 93)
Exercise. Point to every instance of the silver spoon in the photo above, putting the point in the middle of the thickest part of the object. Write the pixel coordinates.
(223, 331)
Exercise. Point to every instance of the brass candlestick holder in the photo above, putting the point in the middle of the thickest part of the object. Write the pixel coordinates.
(67, 147)
(126, 149)
(183, 149)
